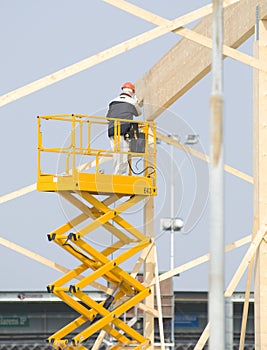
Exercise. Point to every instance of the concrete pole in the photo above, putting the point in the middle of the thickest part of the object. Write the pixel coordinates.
(216, 267)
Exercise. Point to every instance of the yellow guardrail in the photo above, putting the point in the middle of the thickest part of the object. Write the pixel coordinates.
(79, 140)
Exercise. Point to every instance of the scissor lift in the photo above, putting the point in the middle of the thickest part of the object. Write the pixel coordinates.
(101, 198)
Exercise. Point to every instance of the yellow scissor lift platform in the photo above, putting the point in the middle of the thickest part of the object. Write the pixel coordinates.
(76, 145)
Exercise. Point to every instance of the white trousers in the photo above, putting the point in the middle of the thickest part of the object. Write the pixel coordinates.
(120, 161)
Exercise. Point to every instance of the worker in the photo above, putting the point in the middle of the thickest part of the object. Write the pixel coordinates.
(125, 106)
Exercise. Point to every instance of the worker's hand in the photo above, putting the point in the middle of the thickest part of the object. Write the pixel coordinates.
(141, 103)
(137, 100)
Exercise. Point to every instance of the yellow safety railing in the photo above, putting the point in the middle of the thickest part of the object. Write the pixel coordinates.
(84, 137)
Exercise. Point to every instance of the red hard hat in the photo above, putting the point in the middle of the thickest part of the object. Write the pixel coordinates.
(128, 85)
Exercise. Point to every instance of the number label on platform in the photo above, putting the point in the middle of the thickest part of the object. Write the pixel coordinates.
(147, 190)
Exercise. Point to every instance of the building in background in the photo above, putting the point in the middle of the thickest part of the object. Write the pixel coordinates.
(28, 318)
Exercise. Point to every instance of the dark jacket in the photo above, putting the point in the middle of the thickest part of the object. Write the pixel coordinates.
(122, 107)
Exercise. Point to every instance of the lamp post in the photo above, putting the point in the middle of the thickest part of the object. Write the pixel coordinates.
(168, 224)
(216, 234)
(174, 224)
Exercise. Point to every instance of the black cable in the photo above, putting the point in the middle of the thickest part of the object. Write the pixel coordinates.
(142, 171)
(77, 251)
(136, 164)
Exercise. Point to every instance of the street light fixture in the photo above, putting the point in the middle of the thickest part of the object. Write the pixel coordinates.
(169, 224)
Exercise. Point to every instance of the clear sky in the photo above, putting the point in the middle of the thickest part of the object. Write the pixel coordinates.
(41, 37)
